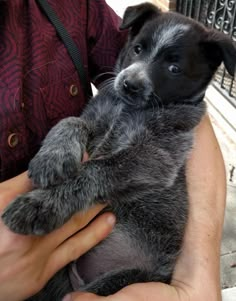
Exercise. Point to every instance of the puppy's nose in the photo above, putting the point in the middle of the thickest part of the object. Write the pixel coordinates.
(130, 86)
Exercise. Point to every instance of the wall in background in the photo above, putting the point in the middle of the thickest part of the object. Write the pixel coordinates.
(120, 6)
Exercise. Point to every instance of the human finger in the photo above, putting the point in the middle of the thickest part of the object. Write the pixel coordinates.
(81, 242)
(11, 188)
(77, 222)
(85, 157)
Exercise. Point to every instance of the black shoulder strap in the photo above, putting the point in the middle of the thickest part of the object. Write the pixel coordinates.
(69, 43)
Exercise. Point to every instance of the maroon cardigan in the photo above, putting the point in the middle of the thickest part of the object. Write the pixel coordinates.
(39, 84)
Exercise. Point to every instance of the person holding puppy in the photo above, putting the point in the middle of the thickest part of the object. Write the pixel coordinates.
(40, 86)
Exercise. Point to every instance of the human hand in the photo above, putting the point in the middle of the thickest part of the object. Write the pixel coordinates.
(196, 276)
(28, 262)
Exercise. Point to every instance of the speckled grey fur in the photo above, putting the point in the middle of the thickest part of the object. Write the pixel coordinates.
(138, 132)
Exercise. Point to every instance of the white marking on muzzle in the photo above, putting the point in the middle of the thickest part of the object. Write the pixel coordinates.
(137, 69)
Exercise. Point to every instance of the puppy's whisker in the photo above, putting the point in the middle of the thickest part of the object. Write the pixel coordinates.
(104, 74)
(153, 108)
(107, 83)
(116, 70)
(158, 101)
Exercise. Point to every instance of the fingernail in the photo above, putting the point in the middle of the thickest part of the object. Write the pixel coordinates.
(67, 298)
(111, 219)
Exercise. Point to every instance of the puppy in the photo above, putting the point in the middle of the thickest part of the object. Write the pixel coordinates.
(138, 132)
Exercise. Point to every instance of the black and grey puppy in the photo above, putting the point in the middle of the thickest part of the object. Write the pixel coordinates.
(138, 132)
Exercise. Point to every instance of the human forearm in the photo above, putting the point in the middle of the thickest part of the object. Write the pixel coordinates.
(198, 265)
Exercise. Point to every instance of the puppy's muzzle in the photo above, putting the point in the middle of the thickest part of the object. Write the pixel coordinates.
(133, 82)
(131, 85)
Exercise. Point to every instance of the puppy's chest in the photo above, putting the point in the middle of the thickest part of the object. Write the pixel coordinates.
(121, 132)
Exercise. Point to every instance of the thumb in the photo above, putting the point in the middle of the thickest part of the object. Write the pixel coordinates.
(82, 296)
(148, 291)
(11, 188)
(139, 291)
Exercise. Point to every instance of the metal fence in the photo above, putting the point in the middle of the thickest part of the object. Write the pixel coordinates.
(220, 15)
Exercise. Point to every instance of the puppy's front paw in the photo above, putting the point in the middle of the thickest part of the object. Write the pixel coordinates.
(32, 213)
(54, 166)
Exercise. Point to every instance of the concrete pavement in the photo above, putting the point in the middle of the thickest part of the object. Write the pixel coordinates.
(219, 110)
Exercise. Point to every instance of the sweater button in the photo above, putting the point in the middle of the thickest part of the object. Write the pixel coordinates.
(74, 90)
(13, 140)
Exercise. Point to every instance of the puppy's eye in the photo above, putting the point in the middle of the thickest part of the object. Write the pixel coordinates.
(138, 49)
(175, 69)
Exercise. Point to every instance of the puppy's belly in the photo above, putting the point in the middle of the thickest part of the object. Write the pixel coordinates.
(117, 252)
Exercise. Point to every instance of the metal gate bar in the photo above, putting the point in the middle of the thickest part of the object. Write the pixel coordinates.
(220, 15)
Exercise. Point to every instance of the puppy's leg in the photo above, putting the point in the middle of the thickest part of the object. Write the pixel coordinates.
(61, 153)
(112, 282)
(43, 210)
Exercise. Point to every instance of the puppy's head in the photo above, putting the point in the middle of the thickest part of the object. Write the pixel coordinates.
(168, 57)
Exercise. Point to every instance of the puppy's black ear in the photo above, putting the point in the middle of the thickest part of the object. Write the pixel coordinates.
(220, 48)
(135, 16)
